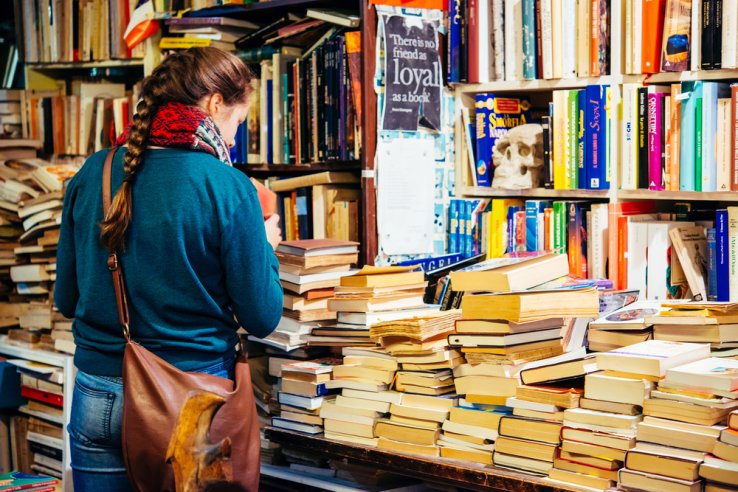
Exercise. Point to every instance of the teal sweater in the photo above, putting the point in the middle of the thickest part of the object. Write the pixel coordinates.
(196, 254)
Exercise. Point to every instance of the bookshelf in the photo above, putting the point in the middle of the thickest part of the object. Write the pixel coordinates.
(66, 363)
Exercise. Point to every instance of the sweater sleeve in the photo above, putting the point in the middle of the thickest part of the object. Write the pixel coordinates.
(251, 270)
(66, 291)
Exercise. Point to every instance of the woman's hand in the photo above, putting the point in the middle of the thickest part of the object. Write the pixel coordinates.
(273, 231)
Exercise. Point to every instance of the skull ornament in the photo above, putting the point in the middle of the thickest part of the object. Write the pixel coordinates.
(518, 158)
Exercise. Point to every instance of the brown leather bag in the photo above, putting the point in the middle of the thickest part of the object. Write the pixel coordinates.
(155, 391)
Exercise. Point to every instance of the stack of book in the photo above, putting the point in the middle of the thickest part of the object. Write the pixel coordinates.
(375, 292)
(364, 380)
(470, 432)
(698, 323)
(721, 469)
(414, 424)
(625, 384)
(302, 394)
(625, 326)
(219, 32)
(420, 346)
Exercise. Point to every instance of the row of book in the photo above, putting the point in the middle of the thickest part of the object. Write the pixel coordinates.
(528, 39)
(88, 30)
(676, 36)
(679, 137)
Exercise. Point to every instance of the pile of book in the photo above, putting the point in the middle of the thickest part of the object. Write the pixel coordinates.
(364, 379)
(218, 32)
(38, 431)
(371, 295)
(628, 325)
(302, 393)
(27, 482)
(31, 194)
(309, 271)
(698, 323)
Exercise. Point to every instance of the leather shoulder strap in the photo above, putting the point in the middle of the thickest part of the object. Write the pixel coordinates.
(116, 269)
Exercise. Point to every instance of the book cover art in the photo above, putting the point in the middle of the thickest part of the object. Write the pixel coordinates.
(690, 245)
(603, 46)
(577, 238)
(596, 138)
(677, 29)
(655, 103)
(520, 231)
(495, 117)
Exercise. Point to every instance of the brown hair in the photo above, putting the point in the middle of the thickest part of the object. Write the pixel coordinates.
(184, 77)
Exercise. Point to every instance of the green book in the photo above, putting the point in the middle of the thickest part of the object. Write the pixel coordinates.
(698, 142)
(573, 140)
(559, 227)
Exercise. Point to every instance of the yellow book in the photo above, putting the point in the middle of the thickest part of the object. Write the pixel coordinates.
(560, 140)
(467, 454)
(404, 447)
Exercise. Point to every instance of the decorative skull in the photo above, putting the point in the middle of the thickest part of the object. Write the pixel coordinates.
(518, 158)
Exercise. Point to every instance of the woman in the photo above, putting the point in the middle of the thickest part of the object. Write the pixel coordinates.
(191, 236)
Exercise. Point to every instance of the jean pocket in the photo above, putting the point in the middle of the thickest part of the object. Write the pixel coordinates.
(91, 421)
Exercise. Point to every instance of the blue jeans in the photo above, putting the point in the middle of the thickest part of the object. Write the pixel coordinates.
(95, 430)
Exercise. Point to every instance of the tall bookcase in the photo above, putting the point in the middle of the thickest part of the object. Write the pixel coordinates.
(541, 89)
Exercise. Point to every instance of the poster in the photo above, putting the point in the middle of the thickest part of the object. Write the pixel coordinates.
(415, 4)
(413, 75)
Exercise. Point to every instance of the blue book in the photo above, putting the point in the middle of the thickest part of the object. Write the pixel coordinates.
(722, 255)
(469, 206)
(596, 138)
(453, 226)
(534, 235)
(455, 16)
(511, 211)
(581, 141)
(530, 55)
(691, 91)
(712, 285)
(483, 144)
(711, 92)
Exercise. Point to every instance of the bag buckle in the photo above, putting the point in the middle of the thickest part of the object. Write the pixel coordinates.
(113, 262)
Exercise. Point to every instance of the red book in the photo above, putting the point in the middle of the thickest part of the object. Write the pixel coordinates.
(651, 37)
(42, 396)
(473, 41)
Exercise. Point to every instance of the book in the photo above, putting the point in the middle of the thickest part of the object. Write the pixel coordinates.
(648, 481)
(513, 277)
(706, 374)
(598, 386)
(690, 244)
(652, 357)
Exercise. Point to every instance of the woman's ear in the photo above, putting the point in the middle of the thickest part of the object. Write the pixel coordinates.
(214, 104)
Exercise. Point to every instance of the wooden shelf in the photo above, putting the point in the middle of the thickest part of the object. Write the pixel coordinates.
(702, 196)
(440, 470)
(532, 85)
(672, 77)
(133, 63)
(291, 169)
(44, 356)
(483, 191)
(302, 478)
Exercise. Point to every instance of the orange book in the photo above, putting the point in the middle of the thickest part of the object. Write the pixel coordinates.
(295, 218)
(267, 199)
(615, 210)
(653, 23)
(672, 165)
(548, 229)
(594, 52)
(622, 278)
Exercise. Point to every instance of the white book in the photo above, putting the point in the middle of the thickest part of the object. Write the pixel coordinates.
(584, 37)
(598, 239)
(712, 373)
(547, 39)
(513, 40)
(470, 430)
(264, 95)
(315, 277)
(486, 62)
(637, 250)
(637, 41)
(498, 38)
(695, 36)
(514, 402)
(733, 249)
(569, 34)
(557, 40)
(659, 261)
(628, 35)
(629, 167)
(451, 442)
(382, 396)
(724, 162)
(730, 33)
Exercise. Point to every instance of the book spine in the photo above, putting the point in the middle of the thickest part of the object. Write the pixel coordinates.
(574, 230)
(687, 144)
(598, 134)
(520, 231)
(628, 34)
(498, 28)
(548, 229)
(484, 103)
(569, 32)
(722, 255)
(653, 22)
(557, 38)
(473, 39)
(717, 39)
(454, 41)
(472, 242)
(604, 44)
(531, 225)
(655, 142)
(629, 176)
(559, 130)
(581, 151)
(512, 23)
(511, 214)
(559, 226)
(674, 138)
(529, 40)
(695, 37)
(734, 136)
(642, 137)
(464, 39)
(733, 253)
(485, 36)
(723, 132)
(711, 265)
(698, 143)
(539, 39)
(547, 161)
(584, 38)
(708, 33)
(546, 30)
(463, 238)
(729, 35)
(572, 139)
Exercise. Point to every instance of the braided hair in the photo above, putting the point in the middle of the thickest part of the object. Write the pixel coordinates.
(185, 77)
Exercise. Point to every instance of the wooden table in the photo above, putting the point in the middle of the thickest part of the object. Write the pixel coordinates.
(440, 470)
